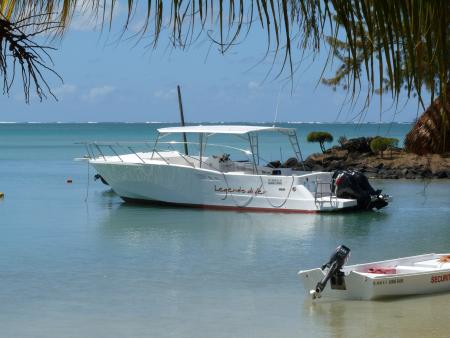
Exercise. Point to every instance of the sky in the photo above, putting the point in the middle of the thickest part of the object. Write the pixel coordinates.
(112, 79)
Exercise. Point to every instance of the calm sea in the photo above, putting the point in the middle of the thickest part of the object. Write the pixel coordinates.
(75, 261)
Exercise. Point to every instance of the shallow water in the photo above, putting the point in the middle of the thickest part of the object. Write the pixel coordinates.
(103, 268)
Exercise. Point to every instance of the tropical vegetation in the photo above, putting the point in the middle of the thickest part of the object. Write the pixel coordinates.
(342, 140)
(380, 144)
(320, 137)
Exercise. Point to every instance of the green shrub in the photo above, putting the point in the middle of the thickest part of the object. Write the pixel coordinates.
(342, 140)
(321, 137)
(380, 144)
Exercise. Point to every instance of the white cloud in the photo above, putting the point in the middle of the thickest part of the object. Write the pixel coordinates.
(165, 94)
(253, 85)
(98, 92)
(64, 90)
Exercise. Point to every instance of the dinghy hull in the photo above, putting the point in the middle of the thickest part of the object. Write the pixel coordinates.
(416, 275)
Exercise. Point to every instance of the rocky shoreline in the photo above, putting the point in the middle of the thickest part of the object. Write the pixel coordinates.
(396, 163)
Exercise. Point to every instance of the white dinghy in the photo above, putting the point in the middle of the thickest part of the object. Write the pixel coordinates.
(415, 275)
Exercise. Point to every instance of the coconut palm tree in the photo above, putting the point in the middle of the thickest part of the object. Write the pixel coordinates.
(383, 38)
(426, 137)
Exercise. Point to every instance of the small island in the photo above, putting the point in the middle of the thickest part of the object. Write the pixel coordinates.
(393, 163)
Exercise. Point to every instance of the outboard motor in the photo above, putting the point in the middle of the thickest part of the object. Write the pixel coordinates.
(334, 266)
(355, 185)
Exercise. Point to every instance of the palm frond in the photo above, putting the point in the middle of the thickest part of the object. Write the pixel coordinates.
(19, 52)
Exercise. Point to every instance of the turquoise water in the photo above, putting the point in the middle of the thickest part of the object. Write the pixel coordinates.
(77, 262)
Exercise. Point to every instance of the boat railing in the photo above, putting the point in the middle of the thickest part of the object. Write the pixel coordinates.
(115, 151)
(324, 189)
(142, 152)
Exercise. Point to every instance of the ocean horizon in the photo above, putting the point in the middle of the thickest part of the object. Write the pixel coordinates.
(55, 135)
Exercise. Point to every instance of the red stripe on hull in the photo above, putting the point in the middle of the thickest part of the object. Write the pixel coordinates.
(219, 207)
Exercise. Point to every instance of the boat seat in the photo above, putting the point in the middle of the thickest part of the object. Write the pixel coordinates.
(413, 269)
(371, 275)
(433, 263)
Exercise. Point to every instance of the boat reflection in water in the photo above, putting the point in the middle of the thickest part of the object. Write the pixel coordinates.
(125, 218)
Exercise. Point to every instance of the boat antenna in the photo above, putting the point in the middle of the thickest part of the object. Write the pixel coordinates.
(180, 106)
(276, 109)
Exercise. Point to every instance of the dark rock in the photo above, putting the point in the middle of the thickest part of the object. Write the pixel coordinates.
(274, 164)
(309, 162)
(358, 145)
(403, 165)
(334, 165)
(318, 167)
(335, 157)
(353, 156)
(389, 174)
(371, 170)
(426, 173)
(291, 162)
(410, 175)
(333, 148)
(400, 173)
(441, 174)
(364, 155)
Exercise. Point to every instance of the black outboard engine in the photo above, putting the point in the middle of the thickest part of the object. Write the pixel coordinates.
(355, 185)
(334, 266)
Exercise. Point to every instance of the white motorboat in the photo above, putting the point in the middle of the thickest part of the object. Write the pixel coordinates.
(415, 275)
(211, 179)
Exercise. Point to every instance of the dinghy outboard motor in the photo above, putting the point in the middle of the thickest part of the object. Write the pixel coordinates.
(355, 185)
(334, 266)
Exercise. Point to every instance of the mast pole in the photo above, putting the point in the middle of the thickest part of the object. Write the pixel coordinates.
(180, 106)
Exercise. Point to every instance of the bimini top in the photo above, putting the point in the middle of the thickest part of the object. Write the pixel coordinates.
(221, 129)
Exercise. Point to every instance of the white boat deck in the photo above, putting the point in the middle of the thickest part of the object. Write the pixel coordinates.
(408, 265)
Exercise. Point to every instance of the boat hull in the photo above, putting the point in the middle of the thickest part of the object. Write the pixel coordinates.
(197, 187)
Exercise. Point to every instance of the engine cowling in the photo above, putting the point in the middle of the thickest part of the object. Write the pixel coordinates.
(354, 184)
(332, 270)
